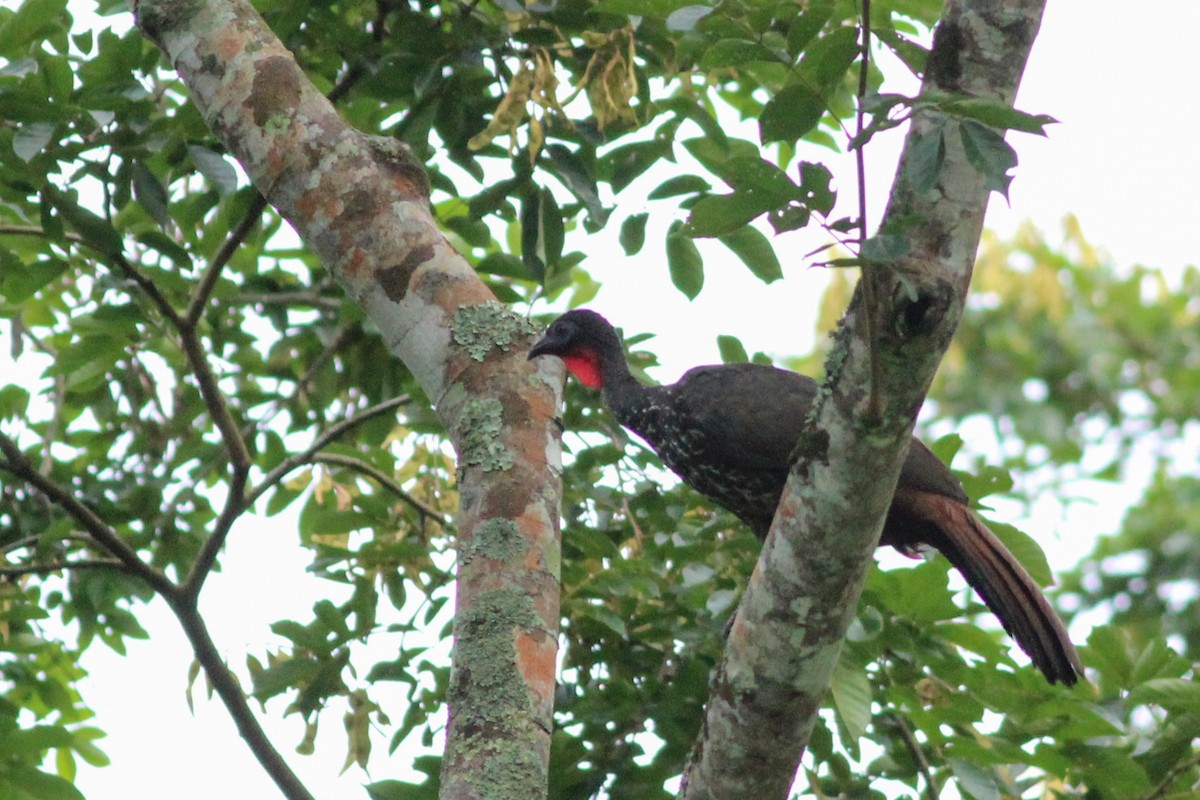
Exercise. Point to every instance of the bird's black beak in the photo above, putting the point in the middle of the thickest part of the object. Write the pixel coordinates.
(540, 349)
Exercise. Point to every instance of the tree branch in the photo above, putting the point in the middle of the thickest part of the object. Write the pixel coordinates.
(787, 633)
(331, 434)
(360, 466)
(59, 566)
(436, 314)
(1174, 772)
(182, 603)
(101, 534)
(209, 280)
(305, 298)
(230, 691)
(874, 403)
(918, 756)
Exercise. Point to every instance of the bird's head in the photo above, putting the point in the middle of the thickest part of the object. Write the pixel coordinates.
(585, 341)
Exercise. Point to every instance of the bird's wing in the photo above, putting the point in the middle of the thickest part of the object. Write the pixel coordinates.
(751, 415)
(923, 470)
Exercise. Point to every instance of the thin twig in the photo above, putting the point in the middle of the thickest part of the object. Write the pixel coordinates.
(28, 541)
(35, 230)
(58, 566)
(214, 399)
(311, 299)
(184, 607)
(1174, 772)
(234, 506)
(918, 755)
(230, 691)
(147, 286)
(389, 483)
(100, 533)
(306, 456)
(875, 401)
(235, 239)
(344, 336)
(235, 446)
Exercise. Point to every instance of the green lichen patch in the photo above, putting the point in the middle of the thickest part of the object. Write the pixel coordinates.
(497, 539)
(477, 329)
(486, 661)
(508, 773)
(489, 695)
(482, 419)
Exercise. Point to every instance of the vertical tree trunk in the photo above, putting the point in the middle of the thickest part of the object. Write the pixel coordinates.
(788, 631)
(362, 204)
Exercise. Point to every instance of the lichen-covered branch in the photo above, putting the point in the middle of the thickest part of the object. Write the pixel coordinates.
(787, 635)
(362, 204)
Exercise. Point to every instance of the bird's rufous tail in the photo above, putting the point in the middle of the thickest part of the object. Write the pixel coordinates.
(992, 571)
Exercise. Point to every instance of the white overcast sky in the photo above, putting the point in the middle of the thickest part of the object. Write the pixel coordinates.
(1117, 75)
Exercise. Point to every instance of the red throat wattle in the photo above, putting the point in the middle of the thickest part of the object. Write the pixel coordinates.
(585, 365)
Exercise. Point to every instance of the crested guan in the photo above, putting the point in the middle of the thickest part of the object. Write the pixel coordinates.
(728, 432)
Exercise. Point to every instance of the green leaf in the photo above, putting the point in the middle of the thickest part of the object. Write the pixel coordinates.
(157, 240)
(925, 158)
(13, 401)
(213, 166)
(1175, 694)
(851, 691)
(685, 18)
(755, 251)
(680, 184)
(1108, 652)
(684, 262)
(828, 58)
(633, 233)
(551, 230)
(94, 230)
(31, 138)
(996, 115)
(975, 780)
(716, 156)
(36, 785)
(732, 351)
(531, 227)
(763, 177)
(1026, 550)
(318, 521)
(28, 23)
(627, 163)
(18, 282)
(722, 214)
(576, 174)
(807, 24)
(606, 617)
(815, 180)
(792, 112)
(919, 593)
(735, 53)
(987, 151)
(151, 193)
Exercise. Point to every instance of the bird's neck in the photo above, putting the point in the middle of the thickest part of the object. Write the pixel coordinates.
(623, 394)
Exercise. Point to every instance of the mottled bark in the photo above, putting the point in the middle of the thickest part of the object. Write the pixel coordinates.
(788, 631)
(361, 203)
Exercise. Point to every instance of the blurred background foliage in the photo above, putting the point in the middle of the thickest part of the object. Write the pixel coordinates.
(116, 203)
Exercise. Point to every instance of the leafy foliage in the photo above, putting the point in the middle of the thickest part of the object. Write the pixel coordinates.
(121, 216)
